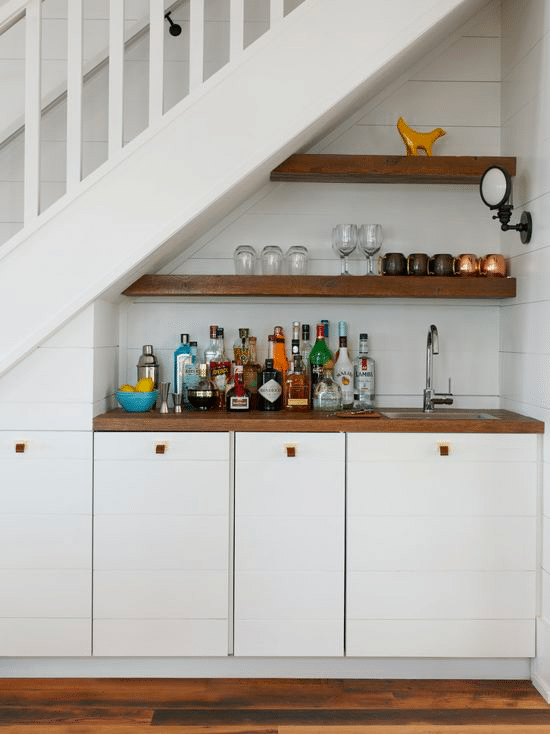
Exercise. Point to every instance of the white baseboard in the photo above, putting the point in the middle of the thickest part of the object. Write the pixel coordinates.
(361, 668)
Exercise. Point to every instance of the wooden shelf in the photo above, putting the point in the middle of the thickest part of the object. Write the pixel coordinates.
(331, 168)
(332, 286)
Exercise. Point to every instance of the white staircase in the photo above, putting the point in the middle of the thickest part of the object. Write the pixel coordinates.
(155, 195)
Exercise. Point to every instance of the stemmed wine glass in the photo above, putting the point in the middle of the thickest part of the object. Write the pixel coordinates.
(369, 238)
(344, 242)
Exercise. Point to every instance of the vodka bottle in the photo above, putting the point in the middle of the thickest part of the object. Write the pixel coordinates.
(363, 377)
(305, 346)
(212, 350)
(343, 368)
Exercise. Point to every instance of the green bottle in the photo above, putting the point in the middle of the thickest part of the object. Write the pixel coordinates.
(319, 356)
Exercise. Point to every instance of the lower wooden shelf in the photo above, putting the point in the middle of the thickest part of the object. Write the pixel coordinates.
(328, 286)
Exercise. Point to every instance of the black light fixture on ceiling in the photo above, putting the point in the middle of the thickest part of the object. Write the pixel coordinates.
(495, 189)
(175, 28)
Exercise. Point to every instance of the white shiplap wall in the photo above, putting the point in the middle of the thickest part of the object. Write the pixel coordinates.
(525, 322)
(458, 87)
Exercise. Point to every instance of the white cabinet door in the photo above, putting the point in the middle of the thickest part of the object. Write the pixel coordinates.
(45, 543)
(289, 544)
(441, 550)
(161, 544)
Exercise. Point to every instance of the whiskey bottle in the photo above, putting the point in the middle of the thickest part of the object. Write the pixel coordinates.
(270, 391)
(297, 387)
(363, 376)
(238, 397)
(343, 368)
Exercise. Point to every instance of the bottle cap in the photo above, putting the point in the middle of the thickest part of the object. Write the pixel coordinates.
(213, 331)
(269, 364)
(363, 336)
(305, 332)
(325, 327)
(219, 332)
(243, 333)
(184, 338)
(193, 344)
(342, 328)
(278, 330)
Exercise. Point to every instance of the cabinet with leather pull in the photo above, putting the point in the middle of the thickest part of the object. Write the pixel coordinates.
(441, 545)
(289, 544)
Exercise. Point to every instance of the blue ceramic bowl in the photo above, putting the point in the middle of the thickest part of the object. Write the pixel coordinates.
(137, 402)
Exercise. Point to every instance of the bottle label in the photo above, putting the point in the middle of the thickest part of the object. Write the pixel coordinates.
(297, 401)
(219, 372)
(270, 391)
(239, 402)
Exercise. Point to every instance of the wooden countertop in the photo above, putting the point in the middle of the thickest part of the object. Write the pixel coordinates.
(504, 422)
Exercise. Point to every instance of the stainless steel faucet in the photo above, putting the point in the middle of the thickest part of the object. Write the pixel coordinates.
(431, 397)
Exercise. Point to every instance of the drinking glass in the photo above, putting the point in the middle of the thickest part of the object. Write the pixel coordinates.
(272, 260)
(369, 239)
(296, 260)
(344, 242)
(244, 258)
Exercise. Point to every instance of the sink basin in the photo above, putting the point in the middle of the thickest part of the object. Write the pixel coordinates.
(408, 414)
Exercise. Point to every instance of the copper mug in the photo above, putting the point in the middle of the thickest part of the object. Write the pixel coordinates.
(494, 265)
(392, 263)
(417, 263)
(467, 264)
(441, 264)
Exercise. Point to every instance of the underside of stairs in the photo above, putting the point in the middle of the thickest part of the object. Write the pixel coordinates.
(211, 151)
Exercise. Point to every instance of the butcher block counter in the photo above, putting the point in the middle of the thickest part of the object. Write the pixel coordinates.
(383, 420)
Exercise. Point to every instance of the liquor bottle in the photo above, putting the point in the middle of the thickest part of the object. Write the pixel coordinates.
(241, 347)
(270, 391)
(280, 361)
(343, 368)
(220, 369)
(182, 356)
(213, 348)
(319, 356)
(297, 387)
(363, 376)
(295, 343)
(203, 397)
(251, 371)
(305, 346)
(238, 397)
(327, 394)
(330, 363)
(191, 373)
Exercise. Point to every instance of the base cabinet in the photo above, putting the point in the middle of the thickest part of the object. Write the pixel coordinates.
(441, 545)
(45, 543)
(161, 544)
(289, 544)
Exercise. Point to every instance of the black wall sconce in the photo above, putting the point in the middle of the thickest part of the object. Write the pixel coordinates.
(495, 189)
(175, 28)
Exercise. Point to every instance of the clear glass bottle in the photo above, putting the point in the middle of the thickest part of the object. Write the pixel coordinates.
(305, 346)
(213, 348)
(319, 356)
(191, 373)
(251, 372)
(343, 368)
(363, 376)
(270, 391)
(203, 396)
(327, 394)
(220, 371)
(295, 343)
(297, 387)
(182, 357)
(238, 397)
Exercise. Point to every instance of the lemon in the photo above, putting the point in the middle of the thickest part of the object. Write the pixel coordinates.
(146, 384)
(126, 388)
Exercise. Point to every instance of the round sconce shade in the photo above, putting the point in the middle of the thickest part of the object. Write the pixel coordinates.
(495, 187)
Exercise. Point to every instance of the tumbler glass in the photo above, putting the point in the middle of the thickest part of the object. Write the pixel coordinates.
(272, 260)
(244, 258)
(296, 260)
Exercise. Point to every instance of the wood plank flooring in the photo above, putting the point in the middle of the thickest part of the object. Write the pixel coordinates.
(274, 706)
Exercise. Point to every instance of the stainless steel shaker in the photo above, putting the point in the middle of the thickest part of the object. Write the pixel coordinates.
(148, 365)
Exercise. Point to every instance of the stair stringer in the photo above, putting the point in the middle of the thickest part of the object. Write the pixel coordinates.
(207, 155)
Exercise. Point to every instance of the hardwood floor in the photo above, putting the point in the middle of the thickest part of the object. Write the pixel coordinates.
(275, 706)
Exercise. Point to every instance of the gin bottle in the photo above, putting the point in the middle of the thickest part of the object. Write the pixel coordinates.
(270, 392)
(363, 376)
(182, 357)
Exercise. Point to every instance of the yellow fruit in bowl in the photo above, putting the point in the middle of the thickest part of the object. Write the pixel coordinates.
(126, 388)
(146, 384)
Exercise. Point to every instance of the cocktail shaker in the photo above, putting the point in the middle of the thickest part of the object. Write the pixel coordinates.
(148, 365)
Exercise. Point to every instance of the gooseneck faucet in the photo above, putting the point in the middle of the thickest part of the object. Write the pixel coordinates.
(431, 398)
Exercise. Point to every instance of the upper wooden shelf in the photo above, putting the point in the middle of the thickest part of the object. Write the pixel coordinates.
(333, 168)
(327, 286)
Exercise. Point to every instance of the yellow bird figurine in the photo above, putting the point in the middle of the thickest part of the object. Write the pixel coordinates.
(415, 141)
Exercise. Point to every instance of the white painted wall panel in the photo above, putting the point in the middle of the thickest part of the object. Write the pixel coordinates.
(45, 637)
